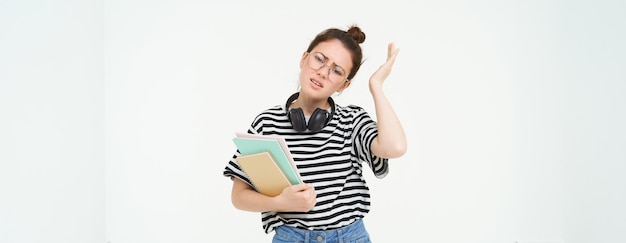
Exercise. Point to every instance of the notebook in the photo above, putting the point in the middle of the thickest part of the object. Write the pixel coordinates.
(248, 145)
(264, 173)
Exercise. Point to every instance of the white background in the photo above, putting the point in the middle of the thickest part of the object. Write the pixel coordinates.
(117, 116)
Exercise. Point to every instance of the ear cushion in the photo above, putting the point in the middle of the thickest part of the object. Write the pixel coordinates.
(318, 120)
(296, 117)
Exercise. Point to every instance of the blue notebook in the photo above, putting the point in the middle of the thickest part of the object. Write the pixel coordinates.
(254, 145)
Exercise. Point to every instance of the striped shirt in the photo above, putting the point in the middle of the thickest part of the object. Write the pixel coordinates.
(330, 160)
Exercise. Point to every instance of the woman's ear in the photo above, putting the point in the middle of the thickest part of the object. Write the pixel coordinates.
(303, 59)
(344, 86)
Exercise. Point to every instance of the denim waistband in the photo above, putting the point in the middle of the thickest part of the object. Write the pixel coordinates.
(347, 233)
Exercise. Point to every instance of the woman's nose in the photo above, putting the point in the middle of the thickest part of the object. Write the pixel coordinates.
(322, 73)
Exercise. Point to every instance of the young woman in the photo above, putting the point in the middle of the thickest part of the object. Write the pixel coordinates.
(329, 144)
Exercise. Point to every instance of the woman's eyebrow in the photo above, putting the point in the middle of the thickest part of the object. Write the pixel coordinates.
(327, 59)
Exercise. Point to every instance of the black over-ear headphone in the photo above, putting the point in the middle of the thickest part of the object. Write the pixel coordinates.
(317, 121)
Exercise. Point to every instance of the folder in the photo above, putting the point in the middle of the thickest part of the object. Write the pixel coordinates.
(264, 173)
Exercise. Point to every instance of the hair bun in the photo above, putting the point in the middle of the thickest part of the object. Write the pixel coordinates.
(356, 34)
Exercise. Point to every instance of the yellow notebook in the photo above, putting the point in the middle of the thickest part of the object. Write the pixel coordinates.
(264, 173)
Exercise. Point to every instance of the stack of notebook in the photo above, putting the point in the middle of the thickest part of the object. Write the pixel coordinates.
(267, 162)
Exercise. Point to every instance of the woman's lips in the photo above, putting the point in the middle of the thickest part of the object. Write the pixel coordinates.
(316, 83)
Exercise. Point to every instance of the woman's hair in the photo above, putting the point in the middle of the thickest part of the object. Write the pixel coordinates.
(350, 40)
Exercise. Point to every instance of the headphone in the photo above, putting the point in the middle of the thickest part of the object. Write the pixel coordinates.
(317, 121)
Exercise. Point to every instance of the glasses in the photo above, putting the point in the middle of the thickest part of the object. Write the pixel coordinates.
(317, 61)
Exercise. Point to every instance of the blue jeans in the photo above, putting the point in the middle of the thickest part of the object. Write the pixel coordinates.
(353, 233)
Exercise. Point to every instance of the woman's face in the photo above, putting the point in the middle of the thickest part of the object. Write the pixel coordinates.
(324, 69)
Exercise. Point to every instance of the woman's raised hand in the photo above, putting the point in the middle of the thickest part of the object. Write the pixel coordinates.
(378, 78)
